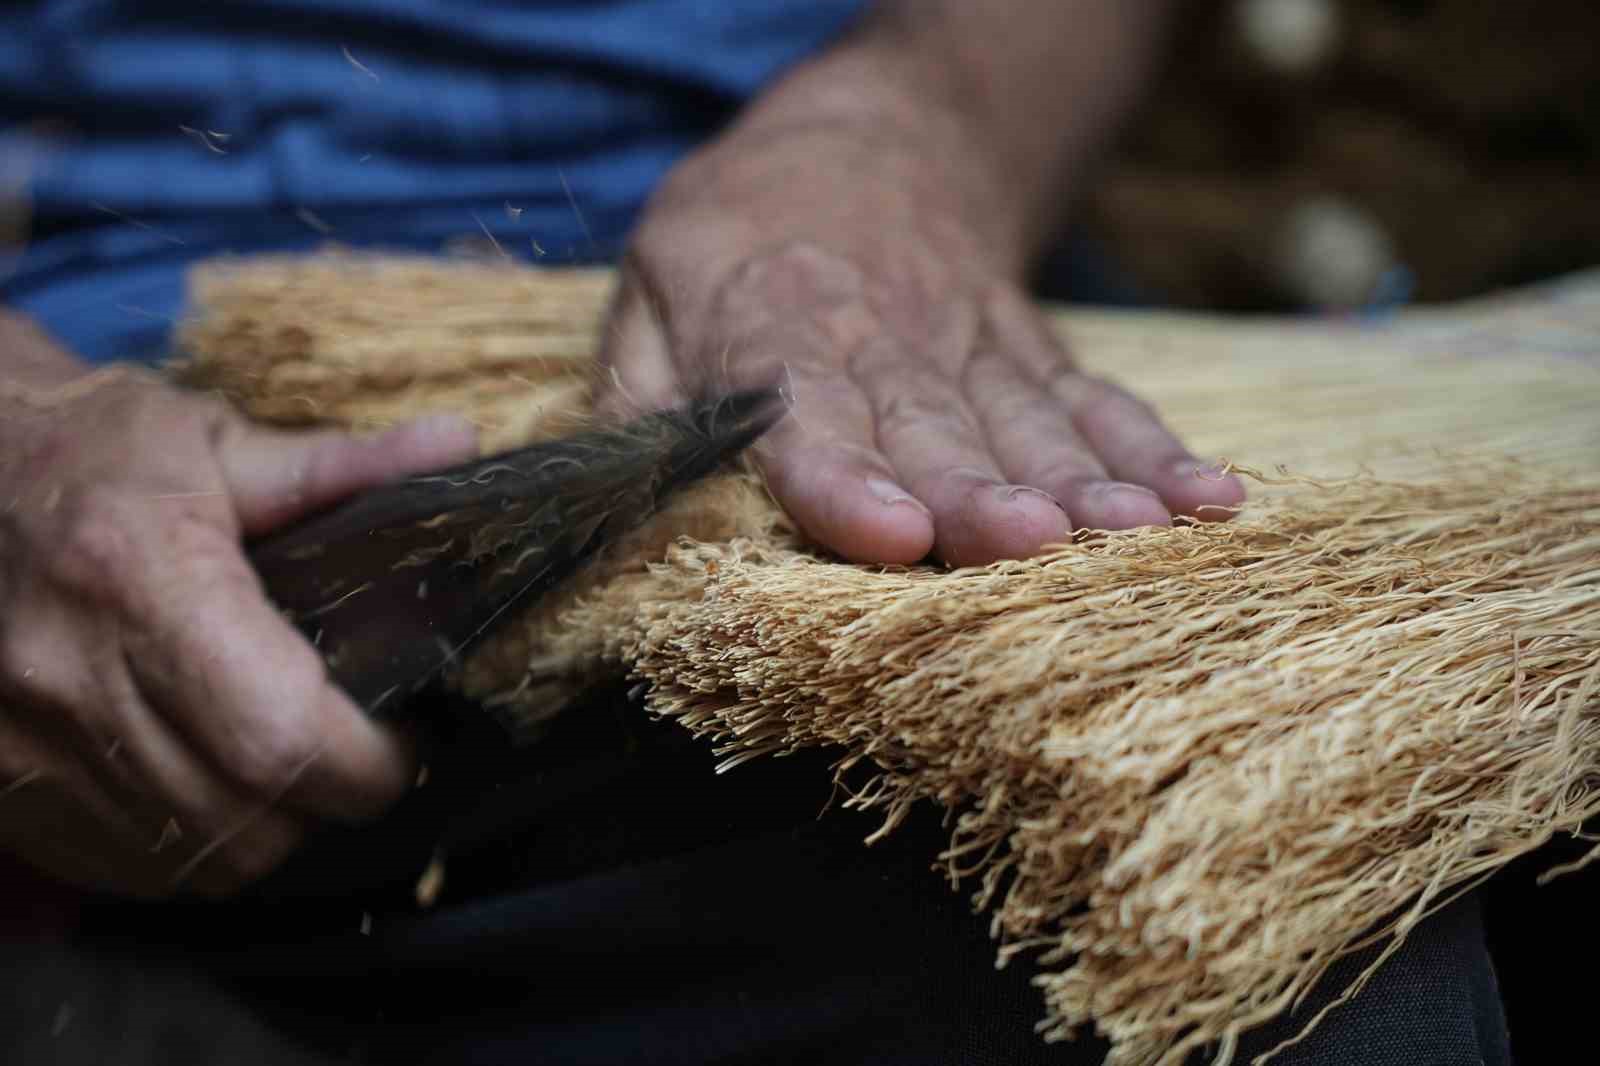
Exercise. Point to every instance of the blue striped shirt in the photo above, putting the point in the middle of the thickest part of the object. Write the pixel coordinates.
(145, 134)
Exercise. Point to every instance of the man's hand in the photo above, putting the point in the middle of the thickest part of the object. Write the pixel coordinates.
(860, 239)
(161, 726)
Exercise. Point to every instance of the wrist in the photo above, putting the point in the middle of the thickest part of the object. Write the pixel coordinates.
(30, 361)
(41, 383)
(890, 99)
(1012, 99)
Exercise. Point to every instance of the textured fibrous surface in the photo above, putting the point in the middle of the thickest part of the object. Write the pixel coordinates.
(1188, 767)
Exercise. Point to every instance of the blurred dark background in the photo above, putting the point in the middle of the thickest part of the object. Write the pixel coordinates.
(1348, 152)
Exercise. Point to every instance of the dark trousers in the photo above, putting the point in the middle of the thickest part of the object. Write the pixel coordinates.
(610, 899)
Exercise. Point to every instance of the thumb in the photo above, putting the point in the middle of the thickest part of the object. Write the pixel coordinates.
(275, 476)
(637, 372)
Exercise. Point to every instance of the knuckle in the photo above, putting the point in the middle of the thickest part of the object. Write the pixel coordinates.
(985, 362)
(1066, 461)
(1012, 321)
(798, 274)
(1072, 387)
(94, 547)
(199, 551)
(944, 417)
(1064, 468)
(190, 591)
(880, 367)
(266, 757)
(1022, 409)
(1009, 414)
(190, 415)
(1124, 404)
(1097, 399)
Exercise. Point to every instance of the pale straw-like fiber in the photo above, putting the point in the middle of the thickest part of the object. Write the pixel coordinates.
(1187, 768)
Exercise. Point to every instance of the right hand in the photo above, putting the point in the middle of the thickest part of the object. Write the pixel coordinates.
(162, 727)
(933, 406)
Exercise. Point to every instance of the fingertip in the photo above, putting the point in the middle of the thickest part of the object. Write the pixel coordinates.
(637, 373)
(1230, 494)
(849, 508)
(375, 763)
(877, 521)
(274, 476)
(347, 767)
(1113, 505)
(1201, 490)
(897, 533)
(1002, 521)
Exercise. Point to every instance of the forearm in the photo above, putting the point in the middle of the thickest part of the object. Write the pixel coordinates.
(1016, 96)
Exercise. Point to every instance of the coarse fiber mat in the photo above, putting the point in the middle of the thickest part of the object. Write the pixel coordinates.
(1187, 768)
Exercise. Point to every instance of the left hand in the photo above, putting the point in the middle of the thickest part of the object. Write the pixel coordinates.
(859, 264)
(162, 727)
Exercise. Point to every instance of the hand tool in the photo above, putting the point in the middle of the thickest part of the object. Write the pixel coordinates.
(393, 585)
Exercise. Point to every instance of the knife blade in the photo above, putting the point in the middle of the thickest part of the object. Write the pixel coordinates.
(394, 584)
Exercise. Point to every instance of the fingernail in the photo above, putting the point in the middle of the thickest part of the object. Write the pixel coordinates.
(889, 493)
(1007, 493)
(1111, 490)
(1195, 468)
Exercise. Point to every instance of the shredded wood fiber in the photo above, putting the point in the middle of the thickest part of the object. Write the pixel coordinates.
(1190, 767)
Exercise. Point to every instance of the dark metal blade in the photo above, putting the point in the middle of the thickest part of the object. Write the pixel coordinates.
(392, 585)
